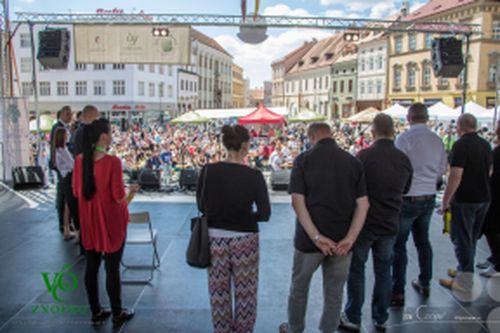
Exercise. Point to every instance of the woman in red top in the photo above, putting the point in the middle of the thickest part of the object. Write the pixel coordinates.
(102, 201)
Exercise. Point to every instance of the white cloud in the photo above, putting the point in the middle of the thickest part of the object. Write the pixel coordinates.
(27, 1)
(416, 6)
(256, 59)
(382, 10)
(338, 13)
(283, 10)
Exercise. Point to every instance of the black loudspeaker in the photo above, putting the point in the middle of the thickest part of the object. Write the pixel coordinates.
(53, 48)
(280, 180)
(27, 177)
(188, 179)
(447, 57)
(149, 179)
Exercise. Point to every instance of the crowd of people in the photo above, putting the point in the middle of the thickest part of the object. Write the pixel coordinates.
(355, 189)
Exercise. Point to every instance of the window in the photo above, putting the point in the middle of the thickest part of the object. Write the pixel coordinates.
(351, 84)
(412, 42)
(305, 85)
(426, 75)
(182, 85)
(496, 30)
(334, 86)
(428, 41)
(151, 68)
(140, 67)
(170, 91)
(81, 88)
(62, 88)
(380, 62)
(443, 82)
(379, 86)
(397, 78)
(195, 86)
(25, 65)
(118, 66)
(342, 86)
(492, 72)
(315, 84)
(25, 40)
(398, 44)
(362, 65)
(169, 70)
(411, 76)
(371, 63)
(151, 89)
(80, 67)
(320, 83)
(326, 82)
(42, 68)
(99, 67)
(118, 87)
(370, 87)
(161, 69)
(362, 87)
(140, 88)
(44, 88)
(99, 88)
(27, 89)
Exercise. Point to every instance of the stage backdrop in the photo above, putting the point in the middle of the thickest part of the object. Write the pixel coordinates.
(131, 44)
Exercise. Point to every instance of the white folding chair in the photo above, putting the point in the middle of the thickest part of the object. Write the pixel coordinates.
(139, 234)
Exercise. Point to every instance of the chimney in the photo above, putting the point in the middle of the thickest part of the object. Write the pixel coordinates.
(405, 8)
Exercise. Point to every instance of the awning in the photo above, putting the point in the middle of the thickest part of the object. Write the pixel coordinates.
(262, 115)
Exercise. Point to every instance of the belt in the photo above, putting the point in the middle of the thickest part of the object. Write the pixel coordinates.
(420, 198)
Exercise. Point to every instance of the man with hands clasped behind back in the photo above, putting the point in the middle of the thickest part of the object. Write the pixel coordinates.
(329, 198)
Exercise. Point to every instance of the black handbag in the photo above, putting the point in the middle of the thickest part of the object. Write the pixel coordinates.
(198, 250)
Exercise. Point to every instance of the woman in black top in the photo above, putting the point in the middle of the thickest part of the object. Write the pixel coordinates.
(231, 189)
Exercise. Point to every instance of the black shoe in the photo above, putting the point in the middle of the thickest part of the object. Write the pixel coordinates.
(380, 327)
(398, 300)
(101, 316)
(425, 291)
(125, 315)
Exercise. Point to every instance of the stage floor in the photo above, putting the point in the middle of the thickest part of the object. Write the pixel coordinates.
(177, 298)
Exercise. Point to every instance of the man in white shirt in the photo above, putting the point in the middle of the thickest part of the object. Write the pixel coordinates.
(429, 161)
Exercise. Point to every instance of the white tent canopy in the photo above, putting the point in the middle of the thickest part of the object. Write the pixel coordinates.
(441, 111)
(475, 109)
(396, 111)
(236, 113)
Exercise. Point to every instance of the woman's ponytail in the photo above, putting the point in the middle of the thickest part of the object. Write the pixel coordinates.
(88, 162)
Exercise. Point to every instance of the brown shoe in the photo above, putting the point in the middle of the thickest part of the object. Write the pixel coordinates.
(398, 300)
(452, 273)
(283, 328)
(447, 283)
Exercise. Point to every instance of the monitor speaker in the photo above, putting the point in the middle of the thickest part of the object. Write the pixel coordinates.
(54, 48)
(149, 179)
(447, 57)
(27, 177)
(188, 179)
(280, 180)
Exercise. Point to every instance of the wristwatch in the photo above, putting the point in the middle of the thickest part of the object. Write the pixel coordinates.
(316, 238)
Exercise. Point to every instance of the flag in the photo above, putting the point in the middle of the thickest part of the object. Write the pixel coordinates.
(244, 9)
(256, 12)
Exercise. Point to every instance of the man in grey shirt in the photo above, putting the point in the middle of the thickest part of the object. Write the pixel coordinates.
(429, 161)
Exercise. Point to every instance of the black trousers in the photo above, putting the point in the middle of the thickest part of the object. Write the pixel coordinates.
(60, 201)
(491, 231)
(69, 198)
(113, 282)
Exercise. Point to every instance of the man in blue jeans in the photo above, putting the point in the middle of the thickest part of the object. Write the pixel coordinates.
(428, 159)
(467, 195)
(388, 174)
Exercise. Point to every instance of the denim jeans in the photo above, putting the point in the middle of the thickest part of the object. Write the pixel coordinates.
(415, 217)
(467, 221)
(382, 251)
(335, 270)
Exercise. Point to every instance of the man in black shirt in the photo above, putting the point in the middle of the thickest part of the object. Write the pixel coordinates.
(388, 173)
(329, 198)
(467, 195)
(89, 114)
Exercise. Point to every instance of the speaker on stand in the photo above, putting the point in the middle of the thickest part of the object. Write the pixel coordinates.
(447, 57)
(54, 48)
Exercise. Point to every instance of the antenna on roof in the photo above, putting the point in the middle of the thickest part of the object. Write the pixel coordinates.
(405, 8)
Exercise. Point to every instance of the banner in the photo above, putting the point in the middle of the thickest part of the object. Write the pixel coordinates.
(14, 135)
(132, 44)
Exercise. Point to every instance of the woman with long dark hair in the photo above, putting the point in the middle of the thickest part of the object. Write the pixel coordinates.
(63, 163)
(231, 189)
(98, 185)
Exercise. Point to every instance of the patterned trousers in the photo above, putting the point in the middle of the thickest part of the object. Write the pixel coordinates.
(234, 268)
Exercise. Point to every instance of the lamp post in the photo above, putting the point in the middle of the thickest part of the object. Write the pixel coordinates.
(497, 88)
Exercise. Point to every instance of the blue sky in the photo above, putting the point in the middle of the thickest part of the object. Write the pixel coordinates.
(255, 59)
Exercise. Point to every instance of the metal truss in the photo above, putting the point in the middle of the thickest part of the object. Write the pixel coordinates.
(312, 22)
